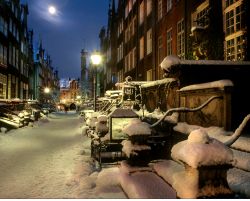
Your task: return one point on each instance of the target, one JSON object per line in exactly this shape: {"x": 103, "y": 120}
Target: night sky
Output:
{"x": 75, "y": 25}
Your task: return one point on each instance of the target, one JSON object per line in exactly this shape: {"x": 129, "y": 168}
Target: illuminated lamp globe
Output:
{"x": 96, "y": 59}
{"x": 46, "y": 90}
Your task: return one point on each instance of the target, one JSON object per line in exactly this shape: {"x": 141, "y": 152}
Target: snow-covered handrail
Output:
{"x": 184, "y": 109}
{"x": 238, "y": 131}
{"x": 105, "y": 106}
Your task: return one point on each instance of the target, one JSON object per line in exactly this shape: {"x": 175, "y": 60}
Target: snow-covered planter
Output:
{"x": 206, "y": 162}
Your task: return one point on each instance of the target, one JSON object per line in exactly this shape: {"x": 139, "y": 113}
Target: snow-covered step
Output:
{"x": 146, "y": 185}
{"x": 167, "y": 169}
{"x": 143, "y": 183}
{"x": 239, "y": 181}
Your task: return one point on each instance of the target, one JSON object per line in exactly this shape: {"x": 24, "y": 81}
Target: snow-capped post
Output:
{"x": 206, "y": 161}
{"x": 101, "y": 127}
{"x": 135, "y": 148}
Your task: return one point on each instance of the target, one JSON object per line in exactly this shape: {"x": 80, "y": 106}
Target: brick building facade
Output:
{"x": 144, "y": 32}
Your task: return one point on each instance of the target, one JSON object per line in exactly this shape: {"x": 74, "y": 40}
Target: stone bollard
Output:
{"x": 135, "y": 148}
{"x": 206, "y": 161}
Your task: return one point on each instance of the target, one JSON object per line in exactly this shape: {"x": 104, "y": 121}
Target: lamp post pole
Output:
{"x": 94, "y": 83}
{"x": 96, "y": 60}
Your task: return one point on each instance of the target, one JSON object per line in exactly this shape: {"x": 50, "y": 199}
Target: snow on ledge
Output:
{"x": 215, "y": 84}
{"x": 158, "y": 82}
{"x": 194, "y": 28}
{"x": 170, "y": 61}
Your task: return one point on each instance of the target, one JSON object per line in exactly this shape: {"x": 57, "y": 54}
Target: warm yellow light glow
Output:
{"x": 96, "y": 59}
{"x": 78, "y": 97}
{"x": 52, "y": 10}
{"x": 46, "y": 90}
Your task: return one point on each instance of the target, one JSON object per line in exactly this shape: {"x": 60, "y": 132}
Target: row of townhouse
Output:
{"x": 141, "y": 33}
{"x": 24, "y": 72}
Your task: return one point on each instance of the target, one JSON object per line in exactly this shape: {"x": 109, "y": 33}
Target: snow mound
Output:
{"x": 215, "y": 84}
{"x": 198, "y": 136}
{"x": 108, "y": 183}
{"x": 200, "y": 150}
{"x": 101, "y": 127}
{"x": 169, "y": 61}
{"x": 102, "y": 118}
{"x": 137, "y": 127}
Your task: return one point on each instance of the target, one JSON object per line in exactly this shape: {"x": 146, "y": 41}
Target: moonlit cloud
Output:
{"x": 48, "y": 12}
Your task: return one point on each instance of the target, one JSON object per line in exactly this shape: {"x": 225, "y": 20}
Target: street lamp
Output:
{"x": 46, "y": 90}
{"x": 96, "y": 59}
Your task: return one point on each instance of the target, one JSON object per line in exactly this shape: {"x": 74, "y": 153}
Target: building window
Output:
{"x": 3, "y": 86}
{"x": 130, "y": 5}
{"x": 160, "y": 54}
{"x": 134, "y": 57}
{"x": 230, "y": 22}
{"x": 169, "y": 42}
{"x": 126, "y": 35}
{"x": 120, "y": 28}
{"x": 159, "y": 9}
{"x": 17, "y": 58}
{"x": 3, "y": 26}
{"x": 240, "y": 47}
{"x": 126, "y": 63}
{"x": 180, "y": 39}
{"x": 239, "y": 18}
{"x": 200, "y": 16}
{"x": 149, "y": 41}
{"x": 3, "y": 55}
{"x": 131, "y": 60}
{"x": 169, "y": 5}
{"x": 234, "y": 27}
{"x": 149, "y": 75}
{"x": 141, "y": 14}
{"x": 230, "y": 50}
{"x": 134, "y": 25}
{"x": 229, "y": 2}
{"x": 126, "y": 11}
{"x": 141, "y": 47}
{"x": 120, "y": 52}
{"x": 235, "y": 48}
{"x": 149, "y": 7}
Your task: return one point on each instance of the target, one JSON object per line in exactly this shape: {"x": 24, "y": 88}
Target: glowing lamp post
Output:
{"x": 46, "y": 91}
{"x": 96, "y": 59}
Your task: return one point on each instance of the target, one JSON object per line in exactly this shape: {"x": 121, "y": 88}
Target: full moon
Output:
{"x": 52, "y": 10}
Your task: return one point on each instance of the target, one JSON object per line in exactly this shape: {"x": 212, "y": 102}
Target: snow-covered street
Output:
{"x": 51, "y": 160}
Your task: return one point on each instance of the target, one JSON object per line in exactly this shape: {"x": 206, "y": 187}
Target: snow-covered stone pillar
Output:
{"x": 136, "y": 148}
{"x": 206, "y": 162}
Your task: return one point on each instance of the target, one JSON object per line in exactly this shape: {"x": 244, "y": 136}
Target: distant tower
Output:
{"x": 84, "y": 74}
